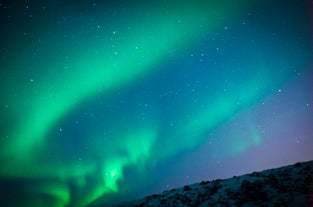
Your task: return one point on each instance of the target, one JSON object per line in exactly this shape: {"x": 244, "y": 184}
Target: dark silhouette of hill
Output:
{"x": 290, "y": 186}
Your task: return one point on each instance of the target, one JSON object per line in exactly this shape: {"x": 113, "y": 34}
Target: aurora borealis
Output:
{"x": 107, "y": 101}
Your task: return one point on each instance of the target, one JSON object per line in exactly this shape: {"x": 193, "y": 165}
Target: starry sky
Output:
{"x": 106, "y": 101}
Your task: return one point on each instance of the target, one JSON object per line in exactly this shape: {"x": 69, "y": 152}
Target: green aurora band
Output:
{"x": 137, "y": 54}
{"x": 134, "y": 56}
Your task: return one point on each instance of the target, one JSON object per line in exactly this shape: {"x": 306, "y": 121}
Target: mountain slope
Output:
{"x": 286, "y": 186}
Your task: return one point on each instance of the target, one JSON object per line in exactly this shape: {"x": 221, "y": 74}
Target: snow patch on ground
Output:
{"x": 290, "y": 186}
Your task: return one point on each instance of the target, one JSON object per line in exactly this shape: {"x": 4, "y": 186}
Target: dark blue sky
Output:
{"x": 104, "y": 102}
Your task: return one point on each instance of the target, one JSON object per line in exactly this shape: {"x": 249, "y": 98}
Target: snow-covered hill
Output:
{"x": 290, "y": 186}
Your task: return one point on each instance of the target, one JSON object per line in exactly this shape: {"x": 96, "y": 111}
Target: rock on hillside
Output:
{"x": 290, "y": 186}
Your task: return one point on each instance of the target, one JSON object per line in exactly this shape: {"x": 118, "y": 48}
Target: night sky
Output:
{"x": 104, "y": 101}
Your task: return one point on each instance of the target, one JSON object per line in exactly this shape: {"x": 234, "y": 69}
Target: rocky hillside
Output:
{"x": 286, "y": 186}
